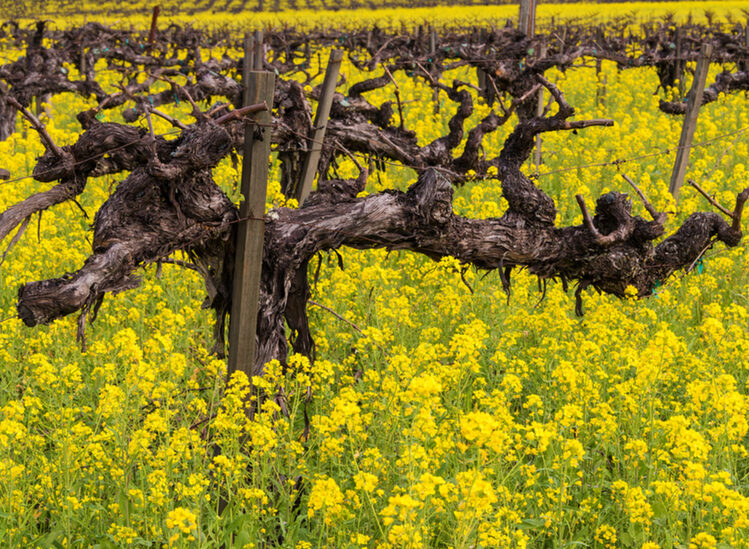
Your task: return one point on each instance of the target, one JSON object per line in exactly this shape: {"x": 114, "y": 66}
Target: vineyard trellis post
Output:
{"x": 743, "y": 65}
{"x": 259, "y": 88}
{"x": 432, "y": 53}
{"x": 259, "y": 48}
{"x": 680, "y": 62}
{"x": 312, "y": 159}
{"x": 539, "y": 113}
{"x": 480, "y": 73}
{"x": 600, "y": 79}
{"x": 154, "y": 23}
{"x": 694, "y": 101}
{"x": 527, "y": 25}
{"x": 42, "y": 105}
{"x": 527, "y": 17}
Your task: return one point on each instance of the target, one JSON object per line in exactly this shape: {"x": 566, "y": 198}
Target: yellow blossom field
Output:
{"x": 441, "y": 414}
{"x": 313, "y": 14}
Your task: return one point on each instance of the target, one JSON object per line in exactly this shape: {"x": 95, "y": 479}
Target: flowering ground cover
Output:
{"x": 441, "y": 414}
{"x": 314, "y": 13}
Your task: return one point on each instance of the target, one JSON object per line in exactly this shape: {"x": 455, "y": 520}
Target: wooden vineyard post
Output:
{"x": 600, "y": 80}
{"x": 527, "y": 17}
{"x": 600, "y": 85}
{"x": 84, "y": 65}
{"x": 527, "y": 25}
{"x": 304, "y": 187}
{"x": 259, "y": 57}
{"x": 485, "y": 88}
{"x": 154, "y": 23}
{"x": 251, "y": 226}
{"x": 694, "y": 101}
{"x": 433, "y": 53}
{"x": 539, "y": 113}
{"x": 481, "y": 78}
{"x": 744, "y": 63}
{"x": 41, "y": 101}
{"x": 680, "y": 62}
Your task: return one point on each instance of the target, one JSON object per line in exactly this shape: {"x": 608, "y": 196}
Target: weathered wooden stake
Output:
{"x": 42, "y": 105}
{"x": 321, "y": 123}
{"x": 432, "y": 52}
{"x": 527, "y": 25}
{"x": 251, "y": 227}
{"x": 154, "y": 22}
{"x": 527, "y": 17}
{"x": 743, "y": 65}
{"x": 539, "y": 141}
{"x": 601, "y": 81}
{"x": 600, "y": 90}
{"x": 539, "y": 113}
{"x": 481, "y": 77}
{"x": 259, "y": 61}
{"x": 694, "y": 101}
{"x": 248, "y": 63}
{"x": 680, "y": 62}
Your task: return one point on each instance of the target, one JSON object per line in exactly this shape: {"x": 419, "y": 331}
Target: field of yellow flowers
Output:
{"x": 309, "y": 14}
{"x": 439, "y": 415}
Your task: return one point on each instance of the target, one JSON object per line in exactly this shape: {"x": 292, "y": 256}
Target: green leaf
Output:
{"x": 48, "y": 540}
{"x": 532, "y": 523}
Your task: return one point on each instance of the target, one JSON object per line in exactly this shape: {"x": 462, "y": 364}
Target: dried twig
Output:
{"x": 660, "y": 217}
{"x": 339, "y": 317}
{"x": 16, "y": 238}
{"x": 173, "y": 121}
{"x": 710, "y": 199}
{"x": 741, "y": 198}
{"x": 218, "y": 108}
{"x": 150, "y": 123}
{"x": 197, "y": 111}
{"x": 587, "y": 220}
{"x": 699, "y": 256}
{"x": 397, "y": 94}
{"x": 350, "y": 155}
{"x": 239, "y": 113}
{"x": 38, "y": 126}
